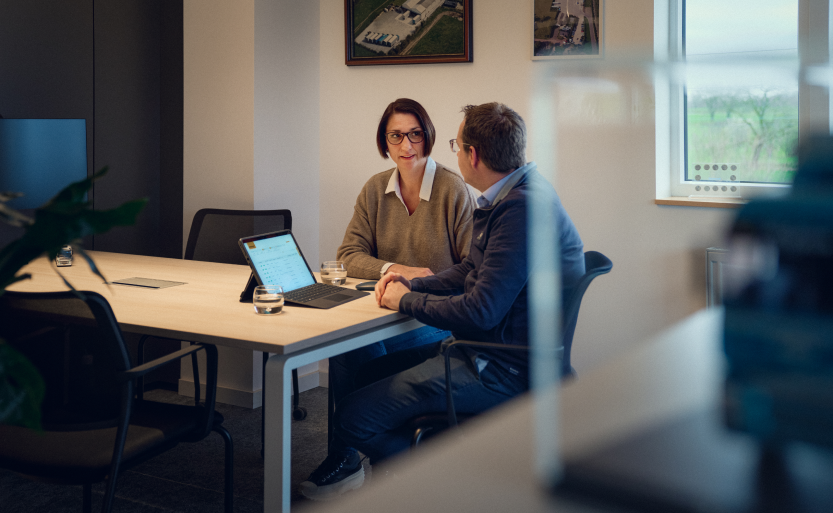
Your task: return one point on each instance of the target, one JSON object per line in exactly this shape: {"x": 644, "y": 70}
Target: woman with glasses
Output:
{"x": 415, "y": 220}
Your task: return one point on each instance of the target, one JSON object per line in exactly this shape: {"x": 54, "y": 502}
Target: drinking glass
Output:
{"x": 333, "y": 272}
{"x": 64, "y": 257}
{"x": 268, "y": 299}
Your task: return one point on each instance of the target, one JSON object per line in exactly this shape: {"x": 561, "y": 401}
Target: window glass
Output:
{"x": 744, "y": 130}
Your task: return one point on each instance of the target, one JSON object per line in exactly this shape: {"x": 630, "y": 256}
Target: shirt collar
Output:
{"x": 493, "y": 194}
{"x": 427, "y": 182}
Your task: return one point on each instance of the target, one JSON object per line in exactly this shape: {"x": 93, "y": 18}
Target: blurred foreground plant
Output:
{"x": 65, "y": 219}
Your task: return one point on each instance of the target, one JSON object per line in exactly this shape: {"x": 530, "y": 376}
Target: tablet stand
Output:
{"x": 249, "y": 292}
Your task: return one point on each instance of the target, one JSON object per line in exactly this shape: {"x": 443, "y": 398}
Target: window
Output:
{"x": 736, "y": 118}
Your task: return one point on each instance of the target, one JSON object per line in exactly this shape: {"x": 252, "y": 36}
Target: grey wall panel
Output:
{"x": 46, "y": 66}
{"x": 127, "y": 89}
{"x": 171, "y": 130}
{"x": 46, "y": 59}
{"x": 117, "y": 64}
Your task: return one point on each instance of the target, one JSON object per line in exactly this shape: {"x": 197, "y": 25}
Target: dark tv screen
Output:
{"x": 39, "y": 157}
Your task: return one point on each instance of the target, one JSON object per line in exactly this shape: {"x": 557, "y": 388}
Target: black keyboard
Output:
{"x": 311, "y": 292}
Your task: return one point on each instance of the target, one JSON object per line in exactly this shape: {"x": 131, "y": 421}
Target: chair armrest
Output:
{"x": 492, "y": 345}
{"x": 449, "y": 396}
{"x": 559, "y": 351}
{"x": 145, "y": 368}
{"x": 207, "y": 415}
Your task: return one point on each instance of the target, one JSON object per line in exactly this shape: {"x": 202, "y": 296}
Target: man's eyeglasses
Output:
{"x": 417, "y": 136}
{"x": 455, "y": 147}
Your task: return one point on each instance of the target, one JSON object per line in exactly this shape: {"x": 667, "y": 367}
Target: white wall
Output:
{"x": 218, "y": 67}
{"x": 353, "y": 99}
{"x": 286, "y": 131}
{"x": 286, "y": 116}
{"x": 218, "y": 147}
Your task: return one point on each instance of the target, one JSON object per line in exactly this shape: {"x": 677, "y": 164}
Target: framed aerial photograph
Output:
{"x": 567, "y": 28}
{"x": 407, "y": 31}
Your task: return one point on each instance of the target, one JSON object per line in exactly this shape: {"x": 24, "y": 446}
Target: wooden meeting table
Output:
{"x": 206, "y": 309}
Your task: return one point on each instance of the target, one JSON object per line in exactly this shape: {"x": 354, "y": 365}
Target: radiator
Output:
{"x": 715, "y": 260}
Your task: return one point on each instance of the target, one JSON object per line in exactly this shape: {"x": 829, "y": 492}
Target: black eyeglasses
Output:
{"x": 417, "y": 136}
{"x": 455, "y": 146}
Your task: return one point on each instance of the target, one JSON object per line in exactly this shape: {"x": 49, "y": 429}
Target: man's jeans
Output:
{"x": 346, "y": 373}
{"x": 371, "y": 419}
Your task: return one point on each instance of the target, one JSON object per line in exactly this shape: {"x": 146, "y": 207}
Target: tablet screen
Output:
{"x": 278, "y": 261}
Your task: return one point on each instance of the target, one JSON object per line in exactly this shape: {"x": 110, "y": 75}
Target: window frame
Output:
{"x": 814, "y": 105}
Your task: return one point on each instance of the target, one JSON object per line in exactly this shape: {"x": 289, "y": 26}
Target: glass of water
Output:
{"x": 268, "y": 299}
{"x": 333, "y": 272}
{"x": 64, "y": 258}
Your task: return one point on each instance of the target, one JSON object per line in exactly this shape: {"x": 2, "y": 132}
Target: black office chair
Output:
{"x": 423, "y": 426}
{"x": 93, "y": 428}
{"x": 213, "y": 238}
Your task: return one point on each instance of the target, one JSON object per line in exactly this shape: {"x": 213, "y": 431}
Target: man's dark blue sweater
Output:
{"x": 484, "y": 297}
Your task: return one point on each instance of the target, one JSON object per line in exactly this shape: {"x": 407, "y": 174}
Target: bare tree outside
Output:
{"x": 747, "y": 136}
{"x": 741, "y": 108}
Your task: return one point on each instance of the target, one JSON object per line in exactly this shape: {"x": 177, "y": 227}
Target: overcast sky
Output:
{"x": 729, "y": 26}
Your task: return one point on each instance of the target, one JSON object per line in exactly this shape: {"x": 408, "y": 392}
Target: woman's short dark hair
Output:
{"x": 405, "y": 106}
{"x": 498, "y": 133}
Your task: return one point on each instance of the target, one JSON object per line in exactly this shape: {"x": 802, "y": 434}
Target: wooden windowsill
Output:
{"x": 684, "y": 201}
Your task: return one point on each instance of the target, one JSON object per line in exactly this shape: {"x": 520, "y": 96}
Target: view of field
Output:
{"x": 755, "y": 132}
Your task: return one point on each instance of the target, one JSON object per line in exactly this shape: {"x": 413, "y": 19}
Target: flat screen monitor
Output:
{"x": 39, "y": 157}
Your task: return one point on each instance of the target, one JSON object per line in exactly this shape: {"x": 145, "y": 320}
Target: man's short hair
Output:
{"x": 405, "y": 106}
{"x": 498, "y": 133}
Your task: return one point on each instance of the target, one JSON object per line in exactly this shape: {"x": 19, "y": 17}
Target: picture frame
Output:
{"x": 565, "y": 29}
{"x": 407, "y": 32}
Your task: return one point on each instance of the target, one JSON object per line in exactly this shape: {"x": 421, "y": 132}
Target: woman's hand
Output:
{"x": 390, "y": 289}
{"x": 410, "y": 272}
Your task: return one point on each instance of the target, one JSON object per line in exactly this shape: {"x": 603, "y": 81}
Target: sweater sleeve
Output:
{"x": 447, "y": 283}
{"x": 358, "y": 250}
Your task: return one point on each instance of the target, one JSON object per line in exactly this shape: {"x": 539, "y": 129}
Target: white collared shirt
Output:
{"x": 424, "y": 191}
{"x": 488, "y": 196}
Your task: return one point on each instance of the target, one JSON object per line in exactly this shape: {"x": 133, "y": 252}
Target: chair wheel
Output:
{"x": 299, "y": 413}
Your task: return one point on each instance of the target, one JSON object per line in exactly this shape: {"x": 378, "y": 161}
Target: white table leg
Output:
{"x": 277, "y": 457}
{"x": 278, "y": 439}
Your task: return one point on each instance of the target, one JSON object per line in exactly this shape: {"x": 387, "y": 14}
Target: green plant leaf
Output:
{"x": 65, "y": 219}
{"x": 94, "y": 268}
{"x": 10, "y": 215}
{"x": 21, "y": 389}
{"x": 8, "y": 196}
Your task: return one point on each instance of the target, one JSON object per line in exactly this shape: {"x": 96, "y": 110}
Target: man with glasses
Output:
{"x": 483, "y": 298}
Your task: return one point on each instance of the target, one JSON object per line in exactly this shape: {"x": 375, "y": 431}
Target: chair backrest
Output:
{"x": 72, "y": 338}
{"x": 595, "y": 264}
{"x": 215, "y": 232}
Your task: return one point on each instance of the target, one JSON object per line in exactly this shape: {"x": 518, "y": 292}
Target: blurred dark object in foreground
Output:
{"x": 778, "y": 333}
{"x": 778, "y": 396}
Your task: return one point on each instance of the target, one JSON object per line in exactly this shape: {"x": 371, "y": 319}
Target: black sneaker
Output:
{"x": 339, "y": 473}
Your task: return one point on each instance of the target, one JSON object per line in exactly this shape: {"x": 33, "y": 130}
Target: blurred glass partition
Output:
{"x": 577, "y": 106}
{"x": 586, "y": 108}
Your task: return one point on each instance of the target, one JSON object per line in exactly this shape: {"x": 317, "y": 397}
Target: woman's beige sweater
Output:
{"x": 437, "y": 235}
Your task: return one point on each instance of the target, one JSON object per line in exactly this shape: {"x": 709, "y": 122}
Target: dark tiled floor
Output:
{"x": 189, "y": 478}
